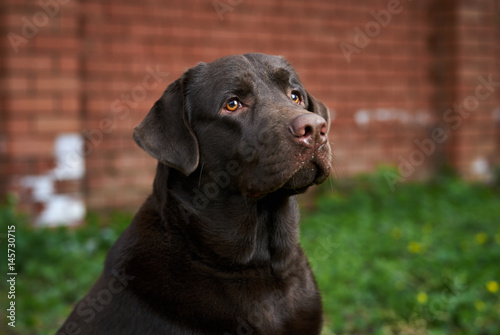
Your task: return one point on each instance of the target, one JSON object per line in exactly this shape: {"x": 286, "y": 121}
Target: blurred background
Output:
{"x": 79, "y": 75}
{"x": 413, "y": 89}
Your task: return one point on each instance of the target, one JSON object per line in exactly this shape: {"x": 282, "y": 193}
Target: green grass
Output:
{"x": 414, "y": 261}
{"x": 423, "y": 259}
{"x": 55, "y": 268}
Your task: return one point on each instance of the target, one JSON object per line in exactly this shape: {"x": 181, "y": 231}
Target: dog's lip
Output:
{"x": 310, "y": 171}
{"x": 320, "y": 167}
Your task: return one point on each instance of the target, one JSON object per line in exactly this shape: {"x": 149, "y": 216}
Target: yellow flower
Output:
{"x": 479, "y": 305}
{"x": 492, "y": 286}
{"x": 414, "y": 247}
{"x": 481, "y": 238}
{"x": 422, "y": 298}
{"x": 396, "y": 233}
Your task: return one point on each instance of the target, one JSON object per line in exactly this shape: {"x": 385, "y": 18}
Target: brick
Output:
{"x": 31, "y": 104}
{"x": 44, "y": 165}
{"x": 68, "y": 186}
{"x": 29, "y": 147}
{"x": 68, "y": 64}
{"x": 24, "y": 63}
{"x": 59, "y": 84}
{"x": 61, "y": 43}
{"x": 18, "y": 126}
{"x": 17, "y": 83}
{"x": 56, "y": 124}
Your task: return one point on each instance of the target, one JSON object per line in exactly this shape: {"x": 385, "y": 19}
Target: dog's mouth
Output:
{"x": 306, "y": 176}
{"x": 313, "y": 172}
{"x": 298, "y": 179}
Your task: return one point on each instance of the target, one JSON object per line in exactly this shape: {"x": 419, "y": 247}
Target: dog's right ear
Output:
{"x": 166, "y": 134}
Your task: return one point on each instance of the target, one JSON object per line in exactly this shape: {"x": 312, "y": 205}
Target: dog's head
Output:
{"x": 246, "y": 120}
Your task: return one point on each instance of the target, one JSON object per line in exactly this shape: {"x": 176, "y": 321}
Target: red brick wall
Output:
{"x": 40, "y": 98}
{"x": 478, "y": 61}
{"x": 387, "y": 69}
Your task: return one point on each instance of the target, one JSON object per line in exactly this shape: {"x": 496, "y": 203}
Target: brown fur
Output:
{"x": 214, "y": 249}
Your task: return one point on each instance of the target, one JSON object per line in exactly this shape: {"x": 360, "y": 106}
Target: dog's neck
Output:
{"x": 229, "y": 229}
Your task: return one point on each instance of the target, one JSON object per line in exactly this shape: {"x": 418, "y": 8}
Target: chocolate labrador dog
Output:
{"x": 215, "y": 248}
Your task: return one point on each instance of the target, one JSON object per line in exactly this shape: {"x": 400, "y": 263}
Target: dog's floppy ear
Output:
{"x": 166, "y": 134}
{"x": 316, "y": 106}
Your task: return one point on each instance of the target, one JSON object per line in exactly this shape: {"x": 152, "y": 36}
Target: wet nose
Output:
{"x": 309, "y": 129}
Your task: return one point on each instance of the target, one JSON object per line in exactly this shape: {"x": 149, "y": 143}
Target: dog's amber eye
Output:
{"x": 295, "y": 96}
{"x": 233, "y": 105}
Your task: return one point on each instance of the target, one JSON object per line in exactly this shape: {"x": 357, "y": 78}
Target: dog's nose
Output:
{"x": 309, "y": 129}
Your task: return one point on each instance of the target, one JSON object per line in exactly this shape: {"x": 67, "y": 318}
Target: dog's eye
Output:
{"x": 232, "y": 105}
{"x": 296, "y": 97}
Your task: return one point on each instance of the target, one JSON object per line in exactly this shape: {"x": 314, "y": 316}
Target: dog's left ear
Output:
{"x": 316, "y": 106}
{"x": 165, "y": 132}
